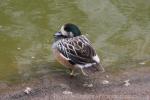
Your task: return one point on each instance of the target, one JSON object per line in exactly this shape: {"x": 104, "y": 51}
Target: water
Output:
{"x": 119, "y": 30}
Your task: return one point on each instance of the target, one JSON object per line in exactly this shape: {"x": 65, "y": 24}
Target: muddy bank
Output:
{"x": 60, "y": 86}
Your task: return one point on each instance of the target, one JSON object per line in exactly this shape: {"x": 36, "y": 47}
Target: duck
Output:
{"x": 74, "y": 50}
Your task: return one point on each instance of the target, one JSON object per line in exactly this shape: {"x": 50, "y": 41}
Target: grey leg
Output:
{"x": 72, "y": 73}
{"x": 102, "y": 68}
{"x": 83, "y": 72}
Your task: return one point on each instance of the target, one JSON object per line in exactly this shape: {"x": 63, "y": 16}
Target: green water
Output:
{"x": 119, "y": 30}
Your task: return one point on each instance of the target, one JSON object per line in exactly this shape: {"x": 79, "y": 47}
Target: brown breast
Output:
{"x": 61, "y": 59}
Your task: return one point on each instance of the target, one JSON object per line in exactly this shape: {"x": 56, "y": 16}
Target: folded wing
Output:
{"x": 78, "y": 50}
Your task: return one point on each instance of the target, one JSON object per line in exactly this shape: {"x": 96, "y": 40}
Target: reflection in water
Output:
{"x": 118, "y": 29}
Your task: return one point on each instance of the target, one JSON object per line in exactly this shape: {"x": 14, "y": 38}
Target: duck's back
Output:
{"x": 77, "y": 50}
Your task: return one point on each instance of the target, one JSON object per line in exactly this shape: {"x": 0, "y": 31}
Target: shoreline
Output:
{"x": 53, "y": 86}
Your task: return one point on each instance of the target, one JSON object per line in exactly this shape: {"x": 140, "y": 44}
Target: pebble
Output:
{"x": 127, "y": 83}
{"x": 27, "y": 90}
{"x": 18, "y": 48}
{"x": 105, "y": 82}
{"x": 107, "y": 76}
{"x": 32, "y": 57}
{"x": 67, "y": 92}
{"x": 142, "y": 63}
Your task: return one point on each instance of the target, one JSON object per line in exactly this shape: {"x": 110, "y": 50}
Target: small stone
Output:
{"x": 88, "y": 85}
{"x": 67, "y": 92}
{"x": 107, "y": 76}
{"x": 142, "y": 63}
{"x": 18, "y": 48}
{"x": 105, "y": 82}
{"x": 27, "y": 90}
{"x": 127, "y": 83}
{"x": 32, "y": 57}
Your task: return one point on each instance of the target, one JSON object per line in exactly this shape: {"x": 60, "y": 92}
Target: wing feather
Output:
{"x": 77, "y": 49}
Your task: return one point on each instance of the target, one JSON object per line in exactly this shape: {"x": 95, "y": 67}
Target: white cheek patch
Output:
{"x": 96, "y": 58}
{"x": 71, "y": 34}
{"x": 63, "y": 31}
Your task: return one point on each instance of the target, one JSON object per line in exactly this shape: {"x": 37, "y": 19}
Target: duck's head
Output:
{"x": 68, "y": 31}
